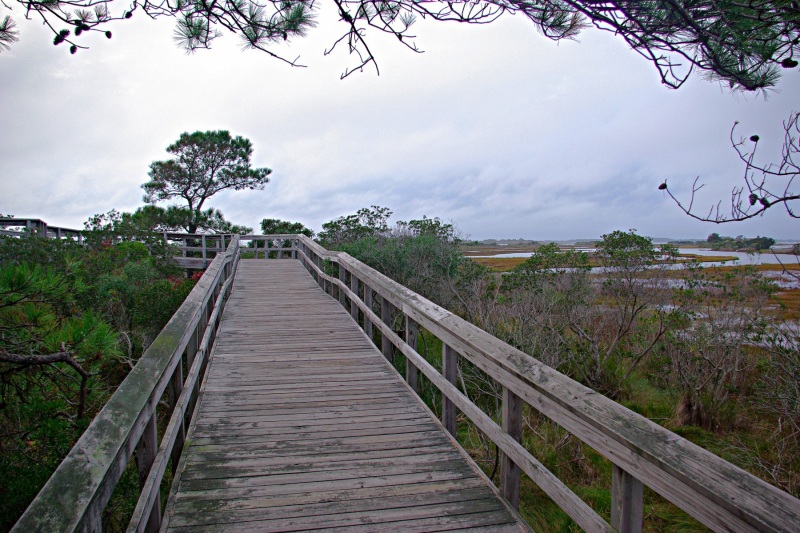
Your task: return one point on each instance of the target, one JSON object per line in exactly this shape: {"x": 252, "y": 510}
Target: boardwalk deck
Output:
{"x": 303, "y": 425}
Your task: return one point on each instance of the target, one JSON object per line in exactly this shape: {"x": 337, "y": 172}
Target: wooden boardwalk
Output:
{"x": 303, "y": 425}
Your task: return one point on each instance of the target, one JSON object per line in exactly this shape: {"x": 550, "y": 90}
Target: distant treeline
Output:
{"x": 739, "y": 243}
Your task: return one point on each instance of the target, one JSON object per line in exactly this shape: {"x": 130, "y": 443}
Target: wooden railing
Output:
{"x": 35, "y": 226}
{"x": 718, "y": 494}
{"x": 715, "y": 492}
{"x": 75, "y": 496}
{"x": 197, "y": 250}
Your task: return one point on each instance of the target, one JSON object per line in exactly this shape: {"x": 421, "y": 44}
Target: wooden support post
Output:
{"x": 145, "y": 455}
{"x": 449, "y": 371}
{"x": 386, "y": 317}
{"x": 191, "y": 353}
{"x": 368, "y": 303}
{"x": 342, "y": 278}
{"x": 512, "y": 424}
{"x": 294, "y": 248}
{"x": 412, "y": 331}
{"x": 173, "y": 393}
{"x": 626, "y": 501}
{"x": 205, "y": 256}
{"x": 354, "y": 289}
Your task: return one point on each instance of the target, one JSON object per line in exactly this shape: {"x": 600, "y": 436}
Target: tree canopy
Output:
{"x": 205, "y": 163}
{"x": 744, "y": 44}
{"x": 276, "y": 226}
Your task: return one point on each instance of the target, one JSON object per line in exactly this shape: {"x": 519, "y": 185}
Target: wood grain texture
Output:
{"x": 302, "y": 424}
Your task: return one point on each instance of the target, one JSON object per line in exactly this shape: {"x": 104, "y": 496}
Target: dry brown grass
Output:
{"x": 499, "y": 264}
{"x": 708, "y": 258}
{"x": 790, "y": 303}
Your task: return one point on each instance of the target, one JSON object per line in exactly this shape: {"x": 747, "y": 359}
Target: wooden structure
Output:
{"x": 716, "y": 493}
{"x": 303, "y": 424}
{"x": 35, "y": 226}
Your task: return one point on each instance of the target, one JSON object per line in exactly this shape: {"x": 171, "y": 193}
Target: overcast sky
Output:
{"x": 494, "y": 127}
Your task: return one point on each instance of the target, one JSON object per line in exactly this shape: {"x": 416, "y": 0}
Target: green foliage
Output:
{"x": 424, "y": 255}
{"x": 73, "y": 321}
{"x": 205, "y": 163}
{"x": 44, "y": 405}
{"x": 276, "y": 226}
{"x": 366, "y": 222}
{"x": 740, "y": 243}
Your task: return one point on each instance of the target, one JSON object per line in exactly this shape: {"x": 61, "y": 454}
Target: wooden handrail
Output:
{"x": 74, "y": 497}
{"x": 715, "y": 492}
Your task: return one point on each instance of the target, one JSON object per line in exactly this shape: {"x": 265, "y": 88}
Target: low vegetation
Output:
{"x": 73, "y": 321}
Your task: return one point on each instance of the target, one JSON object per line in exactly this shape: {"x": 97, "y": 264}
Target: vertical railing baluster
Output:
{"x": 173, "y": 393}
{"x": 354, "y": 289}
{"x": 512, "y": 424}
{"x": 342, "y": 279}
{"x": 191, "y": 353}
{"x": 146, "y": 452}
{"x": 205, "y": 258}
{"x": 412, "y": 331}
{"x": 449, "y": 371}
{"x": 626, "y": 501}
{"x": 368, "y": 304}
{"x": 386, "y": 318}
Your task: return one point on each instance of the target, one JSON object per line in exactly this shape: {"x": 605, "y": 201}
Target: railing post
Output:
{"x": 512, "y": 424}
{"x": 354, "y": 289}
{"x": 412, "y": 330}
{"x": 205, "y": 258}
{"x": 386, "y": 318}
{"x": 342, "y": 279}
{"x": 173, "y": 393}
{"x": 191, "y": 353}
{"x": 368, "y": 304}
{"x": 294, "y": 248}
{"x": 145, "y": 455}
{"x": 449, "y": 371}
{"x": 626, "y": 501}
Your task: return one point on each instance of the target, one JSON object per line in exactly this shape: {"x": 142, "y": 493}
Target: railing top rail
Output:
{"x": 84, "y": 481}
{"x": 713, "y": 490}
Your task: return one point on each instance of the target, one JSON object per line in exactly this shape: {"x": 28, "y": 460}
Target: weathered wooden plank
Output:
{"x": 350, "y": 511}
{"x": 446, "y": 518}
{"x": 334, "y": 496}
